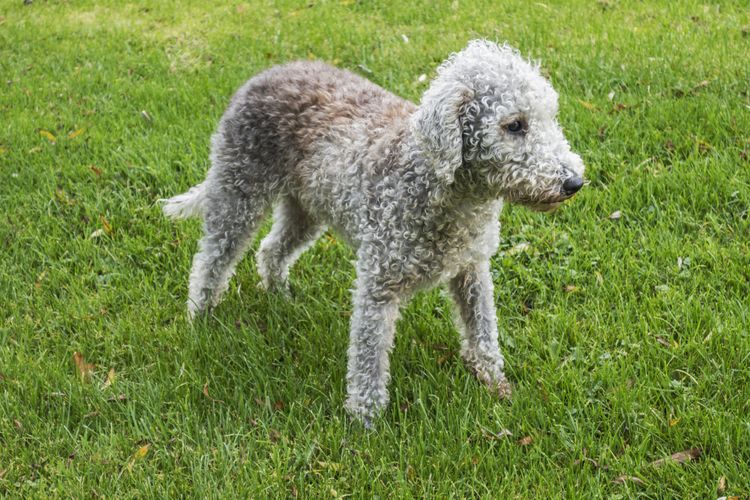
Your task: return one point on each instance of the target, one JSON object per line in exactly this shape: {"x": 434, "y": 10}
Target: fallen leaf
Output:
{"x": 622, "y": 479}
{"x": 274, "y": 435}
{"x": 85, "y": 370}
{"x": 502, "y": 433}
{"x": 662, "y": 341}
{"x": 525, "y": 441}
{"x": 205, "y": 393}
{"x": 97, "y": 171}
{"x": 571, "y": 288}
{"x": 39, "y": 279}
{"x": 616, "y": 215}
{"x": 63, "y": 197}
{"x": 48, "y": 135}
{"x": 333, "y": 466}
{"x": 587, "y": 105}
{"x": 673, "y": 421}
{"x": 704, "y": 147}
{"x": 18, "y": 424}
{"x": 142, "y": 451}
{"x": 701, "y": 85}
{"x": 120, "y": 398}
{"x": 75, "y": 133}
{"x": 139, "y": 454}
{"x": 110, "y": 378}
{"x": 521, "y": 247}
{"x": 96, "y": 234}
{"x": 679, "y": 457}
{"x": 586, "y": 459}
{"x": 722, "y": 486}
{"x": 278, "y": 405}
{"x": 107, "y": 226}
{"x": 411, "y": 474}
{"x": 617, "y": 107}
{"x": 542, "y": 389}
{"x": 3, "y": 472}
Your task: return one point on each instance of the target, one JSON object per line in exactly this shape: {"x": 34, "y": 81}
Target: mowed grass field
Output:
{"x": 624, "y": 316}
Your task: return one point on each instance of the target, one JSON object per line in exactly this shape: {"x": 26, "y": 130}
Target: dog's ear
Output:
{"x": 437, "y": 126}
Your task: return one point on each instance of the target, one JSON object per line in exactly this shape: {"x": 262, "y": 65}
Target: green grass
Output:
{"x": 648, "y": 355}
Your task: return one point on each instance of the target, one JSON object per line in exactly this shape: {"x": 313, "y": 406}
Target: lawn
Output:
{"x": 624, "y": 316}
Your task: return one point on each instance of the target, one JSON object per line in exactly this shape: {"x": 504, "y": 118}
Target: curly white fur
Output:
{"x": 417, "y": 190}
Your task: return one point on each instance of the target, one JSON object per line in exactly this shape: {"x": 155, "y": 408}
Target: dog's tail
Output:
{"x": 185, "y": 205}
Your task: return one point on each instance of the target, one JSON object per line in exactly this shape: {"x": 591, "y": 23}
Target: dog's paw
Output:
{"x": 365, "y": 411}
{"x": 195, "y": 312}
{"x": 368, "y": 423}
{"x": 503, "y": 389}
{"x": 366, "y": 419}
{"x": 494, "y": 379}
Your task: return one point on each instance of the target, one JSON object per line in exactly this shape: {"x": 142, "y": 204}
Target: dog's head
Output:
{"x": 488, "y": 124}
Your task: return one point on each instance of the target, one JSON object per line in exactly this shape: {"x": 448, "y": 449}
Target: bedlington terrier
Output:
{"x": 415, "y": 189}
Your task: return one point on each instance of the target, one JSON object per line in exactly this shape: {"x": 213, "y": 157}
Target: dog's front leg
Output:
{"x": 473, "y": 294}
{"x": 373, "y": 324}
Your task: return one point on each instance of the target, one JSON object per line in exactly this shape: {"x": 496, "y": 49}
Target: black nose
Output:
{"x": 572, "y": 185}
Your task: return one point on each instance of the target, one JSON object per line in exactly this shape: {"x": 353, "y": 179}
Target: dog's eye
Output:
{"x": 515, "y": 127}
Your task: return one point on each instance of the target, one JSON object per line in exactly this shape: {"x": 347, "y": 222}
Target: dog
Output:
{"x": 416, "y": 189}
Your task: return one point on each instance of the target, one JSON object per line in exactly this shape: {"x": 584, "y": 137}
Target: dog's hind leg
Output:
{"x": 230, "y": 218}
{"x": 293, "y": 232}
{"x": 472, "y": 292}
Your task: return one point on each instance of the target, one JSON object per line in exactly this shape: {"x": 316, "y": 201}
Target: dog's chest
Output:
{"x": 453, "y": 244}
{"x": 476, "y": 241}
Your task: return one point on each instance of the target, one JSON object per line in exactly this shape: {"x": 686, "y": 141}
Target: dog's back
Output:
{"x": 283, "y": 114}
